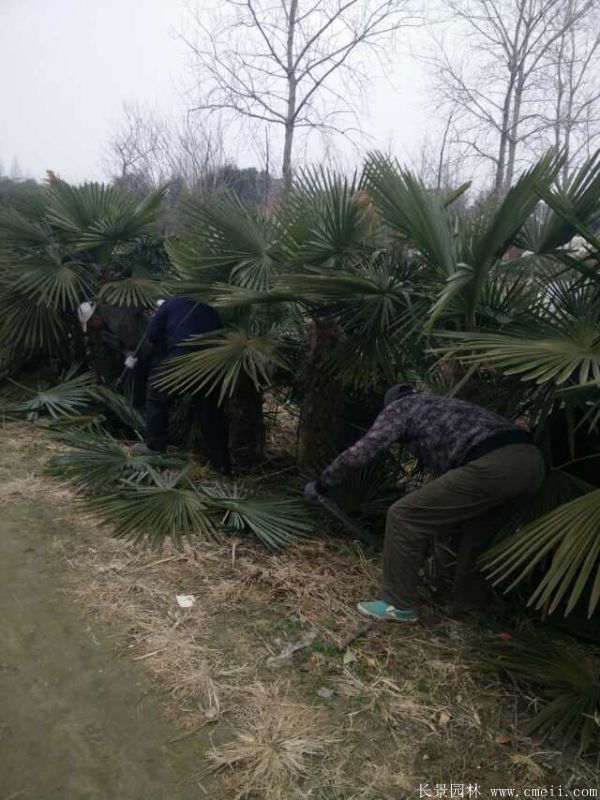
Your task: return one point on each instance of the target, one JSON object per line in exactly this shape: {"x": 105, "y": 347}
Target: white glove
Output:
{"x": 130, "y": 362}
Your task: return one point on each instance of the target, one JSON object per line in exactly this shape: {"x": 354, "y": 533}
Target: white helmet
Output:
{"x": 84, "y": 314}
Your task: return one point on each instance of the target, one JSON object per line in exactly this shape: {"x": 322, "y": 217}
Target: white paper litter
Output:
{"x": 185, "y": 600}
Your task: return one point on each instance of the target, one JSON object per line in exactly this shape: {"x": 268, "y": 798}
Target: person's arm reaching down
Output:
{"x": 387, "y": 429}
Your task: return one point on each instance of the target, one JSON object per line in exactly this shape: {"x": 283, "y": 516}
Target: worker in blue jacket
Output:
{"x": 176, "y": 320}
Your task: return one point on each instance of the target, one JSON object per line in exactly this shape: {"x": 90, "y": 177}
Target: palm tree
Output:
{"x": 538, "y": 318}
{"x": 222, "y": 245}
{"x": 403, "y": 284}
{"x": 61, "y": 247}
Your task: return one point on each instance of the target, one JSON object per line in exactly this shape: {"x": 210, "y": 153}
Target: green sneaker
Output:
{"x": 384, "y": 612}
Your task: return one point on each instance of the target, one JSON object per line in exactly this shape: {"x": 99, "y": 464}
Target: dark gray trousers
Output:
{"x": 467, "y": 500}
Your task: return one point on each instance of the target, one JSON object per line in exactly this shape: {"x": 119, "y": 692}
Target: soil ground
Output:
{"x": 111, "y": 690}
{"x": 79, "y": 722}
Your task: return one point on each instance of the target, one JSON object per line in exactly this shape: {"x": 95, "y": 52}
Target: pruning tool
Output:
{"x": 350, "y": 524}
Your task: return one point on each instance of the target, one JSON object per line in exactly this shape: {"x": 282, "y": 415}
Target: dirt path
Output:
{"x": 78, "y": 721}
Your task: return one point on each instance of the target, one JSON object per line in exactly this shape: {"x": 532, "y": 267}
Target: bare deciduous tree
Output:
{"x": 155, "y": 150}
{"x": 497, "y": 79}
{"x": 290, "y": 63}
{"x": 572, "y": 113}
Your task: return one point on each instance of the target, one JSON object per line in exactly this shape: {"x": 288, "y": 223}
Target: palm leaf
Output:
{"x": 578, "y": 201}
{"x": 219, "y": 360}
{"x": 276, "y": 523}
{"x": 408, "y": 207}
{"x": 570, "y": 537}
{"x": 64, "y": 399}
{"x": 132, "y": 292}
{"x": 96, "y": 462}
{"x": 116, "y": 405}
{"x": 29, "y": 325}
{"x": 516, "y": 207}
{"x": 51, "y": 281}
{"x": 567, "y": 680}
{"x": 484, "y": 240}
{"x": 222, "y": 239}
{"x": 20, "y": 232}
{"x": 96, "y": 216}
{"x": 335, "y": 228}
{"x": 574, "y": 353}
{"x": 172, "y": 508}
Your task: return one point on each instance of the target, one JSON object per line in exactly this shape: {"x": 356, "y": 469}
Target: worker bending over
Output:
{"x": 484, "y": 460}
{"x": 175, "y": 321}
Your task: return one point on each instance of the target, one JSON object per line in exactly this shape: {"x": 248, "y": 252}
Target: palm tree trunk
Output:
{"x": 322, "y": 413}
{"x": 246, "y": 426}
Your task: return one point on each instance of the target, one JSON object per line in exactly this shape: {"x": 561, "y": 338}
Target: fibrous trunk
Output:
{"x": 322, "y": 414}
{"x": 246, "y": 426}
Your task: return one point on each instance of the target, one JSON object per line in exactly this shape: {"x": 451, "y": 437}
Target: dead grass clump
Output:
{"x": 320, "y": 583}
{"x": 274, "y": 745}
{"x": 386, "y": 700}
{"x": 193, "y": 674}
{"x": 357, "y": 779}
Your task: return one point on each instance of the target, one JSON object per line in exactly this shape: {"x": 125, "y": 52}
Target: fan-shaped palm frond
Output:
{"x": 176, "y": 508}
{"x": 567, "y": 680}
{"x": 216, "y": 361}
{"x": 569, "y": 207}
{"x": 65, "y": 399}
{"x": 52, "y": 281}
{"x": 29, "y": 325}
{"x": 116, "y": 405}
{"x": 570, "y": 537}
{"x": 514, "y": 210}
{"x": 18, "y": 233}
{"x": 329, "y": 224}
{"x": 96, "y": 216}
{"x": 573, "y": 352}
{"x": 96, "y": 462}
{"x": 370, "y": 295}
{"x": 133, "y": 292}
{"x": 172, "y": 508}
{"x": 276, "y": 523}
{"x": 483, "y": 240}
{"x": 409, "y": 208}
{"x": 222, "y": 239}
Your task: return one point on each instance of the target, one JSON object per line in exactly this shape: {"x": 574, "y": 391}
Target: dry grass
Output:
{"x": 408, "y": 706}
{"x": 321, "y": 582}
{"x": 28, "y": 488}
{"x": 389, "y": 702}
{"x": 274, "y": 746}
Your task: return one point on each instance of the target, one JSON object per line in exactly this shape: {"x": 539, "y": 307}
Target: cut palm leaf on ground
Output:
{"x": 567, "y": 680}
{"x": 64, "y": 399}
{"x": 96, "y": 462}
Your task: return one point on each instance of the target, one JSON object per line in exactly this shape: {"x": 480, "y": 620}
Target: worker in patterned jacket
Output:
{"x": 483, "y": 461}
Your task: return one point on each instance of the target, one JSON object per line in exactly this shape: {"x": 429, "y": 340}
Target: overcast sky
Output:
{"x": 67, "y": 67}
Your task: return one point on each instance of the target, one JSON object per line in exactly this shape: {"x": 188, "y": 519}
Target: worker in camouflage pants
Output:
{"x": 484, "y": 462}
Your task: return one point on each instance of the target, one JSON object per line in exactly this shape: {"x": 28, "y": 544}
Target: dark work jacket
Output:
{"x": 176, "y": 320}
{"x": 441, "y": 432}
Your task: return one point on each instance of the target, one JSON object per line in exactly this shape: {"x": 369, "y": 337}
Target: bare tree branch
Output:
{"x": 521, "y": 74}
{"x": 280, "y": 62}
